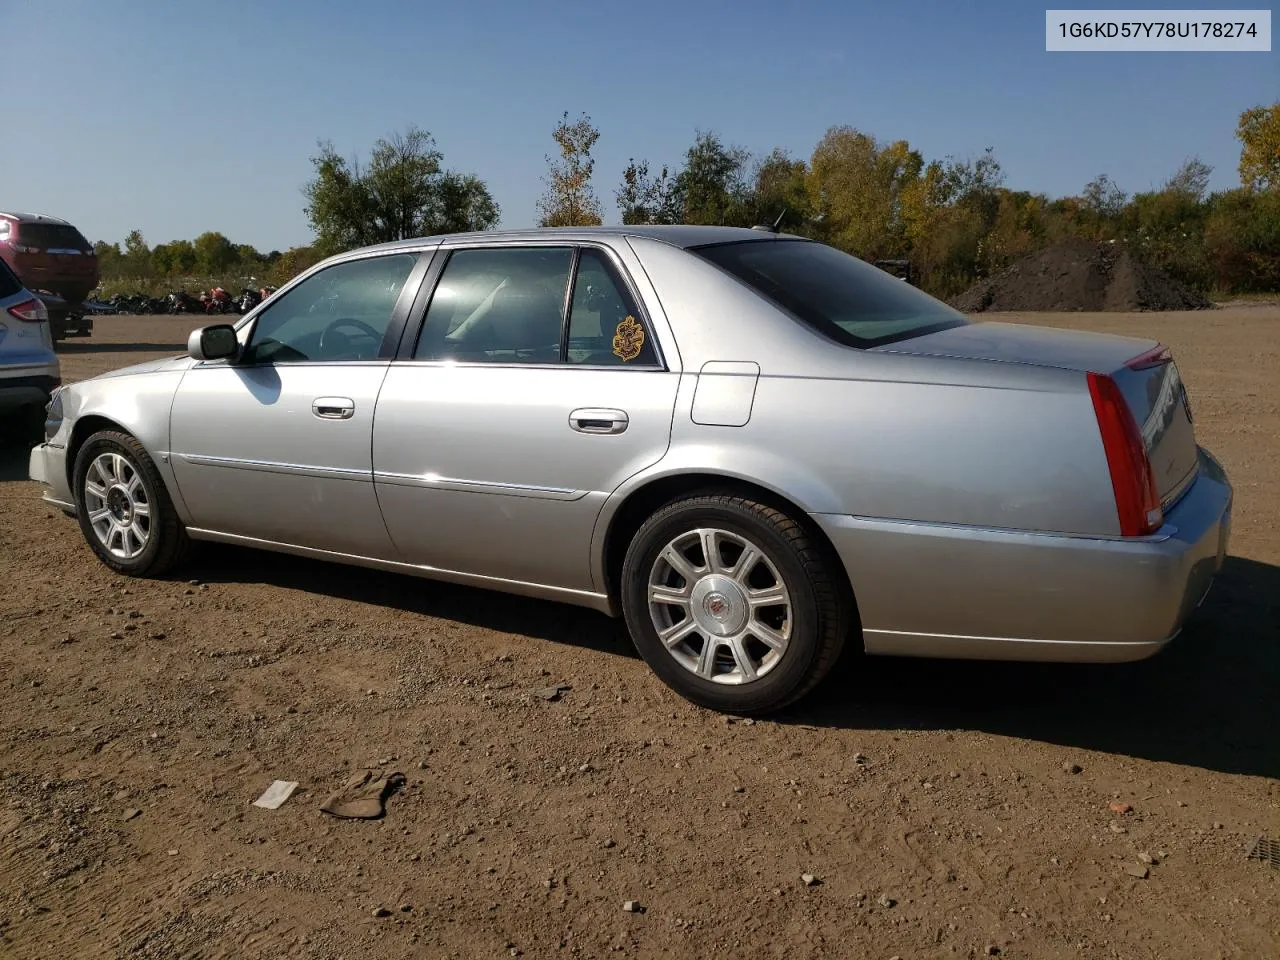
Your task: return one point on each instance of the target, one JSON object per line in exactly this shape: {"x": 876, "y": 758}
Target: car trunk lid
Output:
{"x": 1142, "y": 369}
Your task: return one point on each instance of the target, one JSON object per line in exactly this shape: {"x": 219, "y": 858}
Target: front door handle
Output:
{"x": 596, "y": 420}
{"x": 333, "y": 408}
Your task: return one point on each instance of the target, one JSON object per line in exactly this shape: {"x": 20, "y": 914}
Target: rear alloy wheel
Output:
{"x": 123, "y": 507}
{"x": 731, "y": 603}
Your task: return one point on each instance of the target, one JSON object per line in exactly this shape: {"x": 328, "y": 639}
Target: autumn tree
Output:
{"x": 403, "y": 192}
{"x": 648, "y": 198}
{"x": 856, "y": 183}
{"x": 569, "y": 200}
{"x": 1259, "y": 136}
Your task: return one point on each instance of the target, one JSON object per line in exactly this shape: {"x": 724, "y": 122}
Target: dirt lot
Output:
{"x": 934, "y": 802}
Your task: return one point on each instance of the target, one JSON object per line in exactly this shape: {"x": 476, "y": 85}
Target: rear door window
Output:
{"x": 842, "y": 297}
{"x": 498, "y": 305}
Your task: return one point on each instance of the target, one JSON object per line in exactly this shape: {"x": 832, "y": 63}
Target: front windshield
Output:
{"x": 842, "y": 297}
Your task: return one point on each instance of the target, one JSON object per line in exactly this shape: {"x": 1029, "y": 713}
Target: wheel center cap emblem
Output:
{"x": 717, "y": 606}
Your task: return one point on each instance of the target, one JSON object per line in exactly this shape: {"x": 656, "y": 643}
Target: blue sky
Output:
{"x": 178, "y": 117}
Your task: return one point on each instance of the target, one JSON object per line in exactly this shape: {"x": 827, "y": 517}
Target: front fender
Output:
{"x": 136, "y": 404}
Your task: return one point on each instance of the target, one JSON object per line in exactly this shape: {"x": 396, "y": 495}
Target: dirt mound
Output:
{"x": 1079, "y": 276}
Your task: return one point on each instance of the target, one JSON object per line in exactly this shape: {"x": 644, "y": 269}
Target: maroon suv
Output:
{"x": 51, "y": 255}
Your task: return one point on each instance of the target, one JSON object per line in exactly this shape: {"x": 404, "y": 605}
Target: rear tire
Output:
{"x": 750, "y": 631}
{"x": 124, "y": 509}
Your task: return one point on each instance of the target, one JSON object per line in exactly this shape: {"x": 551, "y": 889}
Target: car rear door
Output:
{"x": 276, "y": 446}
{"x": 531, "y": 390}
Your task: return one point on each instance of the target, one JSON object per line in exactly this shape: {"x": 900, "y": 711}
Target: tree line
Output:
{"x": 953, "y": 218}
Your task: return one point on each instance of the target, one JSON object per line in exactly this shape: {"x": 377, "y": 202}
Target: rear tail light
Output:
{"x": 30, "y": 311}
{"x": 1154, "y": 357}
{"x": 1137, "y": 501}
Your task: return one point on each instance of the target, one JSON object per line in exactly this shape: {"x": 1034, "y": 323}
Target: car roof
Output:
{"x": 679, "y": 236}
{"x": 34, "y": 218}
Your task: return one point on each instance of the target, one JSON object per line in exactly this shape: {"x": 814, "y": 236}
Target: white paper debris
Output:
{"x": 276, "y": 794}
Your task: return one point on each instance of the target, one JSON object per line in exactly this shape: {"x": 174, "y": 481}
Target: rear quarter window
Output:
{"x": 840, "y": 296}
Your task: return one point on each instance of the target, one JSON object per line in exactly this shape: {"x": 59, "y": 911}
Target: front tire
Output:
{"x": 124, "y": 509}
{"x": 733, "y": 604}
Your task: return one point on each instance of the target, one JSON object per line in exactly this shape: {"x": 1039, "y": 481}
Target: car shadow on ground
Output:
{"x": 506, "y": 613}
{"x": 14, "y": 457}
{"x": 1209, "y": 700}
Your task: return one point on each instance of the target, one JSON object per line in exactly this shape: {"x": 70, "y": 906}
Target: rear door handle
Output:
{"x": 597, "y": 420}
{"x": 333, "y": 408}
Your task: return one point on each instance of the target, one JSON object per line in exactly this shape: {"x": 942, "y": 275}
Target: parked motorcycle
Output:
{"x": 179, "y": 301}
{"x": 248, "y": 300}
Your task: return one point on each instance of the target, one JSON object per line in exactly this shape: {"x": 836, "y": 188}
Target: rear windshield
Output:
{"x": 9, "y": 284}
{"x": 842, "y": 297}
{"x": 51, "y": 236}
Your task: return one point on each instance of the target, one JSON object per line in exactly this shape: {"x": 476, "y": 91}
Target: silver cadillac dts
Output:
{"x": 754, "y": 448}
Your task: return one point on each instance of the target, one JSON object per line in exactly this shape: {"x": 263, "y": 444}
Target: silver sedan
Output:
{"x": 754, "y": 448}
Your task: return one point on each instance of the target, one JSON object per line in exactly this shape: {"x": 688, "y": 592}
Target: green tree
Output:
{"x": 182, "y": 256}
{"x": 292, "y": 262}
{"x": 569, "y": 200}
{"x": 214, "y": 253}
{"x": 713, "y": 187}
{"x": 402, "y": 193}
{"x": 780, "y": 188}
{"x": 1102, "y": 196}
{"x": 1259, "y": 136}
{"x": 247, "y": 256}
{"x": 1192, "y": 178}
{"x": 461, "y": 203}
{"x": 645, "y": 198}
{"x": 137, "y": 256}
{"x": 109, "y": 257}
{"x": 1242, "y": 240}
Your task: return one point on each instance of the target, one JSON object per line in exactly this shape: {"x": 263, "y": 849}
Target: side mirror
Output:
{"x": 216, "y": 342}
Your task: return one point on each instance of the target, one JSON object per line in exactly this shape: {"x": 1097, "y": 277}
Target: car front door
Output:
{"x": 275, "y": 445}
{"x": 532, "y": 390}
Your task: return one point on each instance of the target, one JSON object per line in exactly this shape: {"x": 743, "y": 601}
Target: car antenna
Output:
{"x": 773, "y": 227}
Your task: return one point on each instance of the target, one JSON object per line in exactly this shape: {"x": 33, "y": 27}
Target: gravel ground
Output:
{"x": 938, "y": 809}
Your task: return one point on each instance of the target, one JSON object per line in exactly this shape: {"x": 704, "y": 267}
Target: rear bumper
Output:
{"x": 48, "y": 465}
{"x": 17, "y": 392}
{"x": 956, "y": 591}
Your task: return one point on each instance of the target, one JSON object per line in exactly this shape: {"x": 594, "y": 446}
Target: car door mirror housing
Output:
{"x": 216, "y": 342}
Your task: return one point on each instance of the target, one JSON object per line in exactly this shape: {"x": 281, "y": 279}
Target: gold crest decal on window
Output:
{"x": 628, "y": 339}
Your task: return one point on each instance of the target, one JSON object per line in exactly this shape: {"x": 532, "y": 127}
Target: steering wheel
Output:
{"x": 360, "y": 325}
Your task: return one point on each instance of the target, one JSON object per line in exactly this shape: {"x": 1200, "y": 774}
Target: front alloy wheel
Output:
{"x": 117, "y": 504}
{"x": 123, "y": 507}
